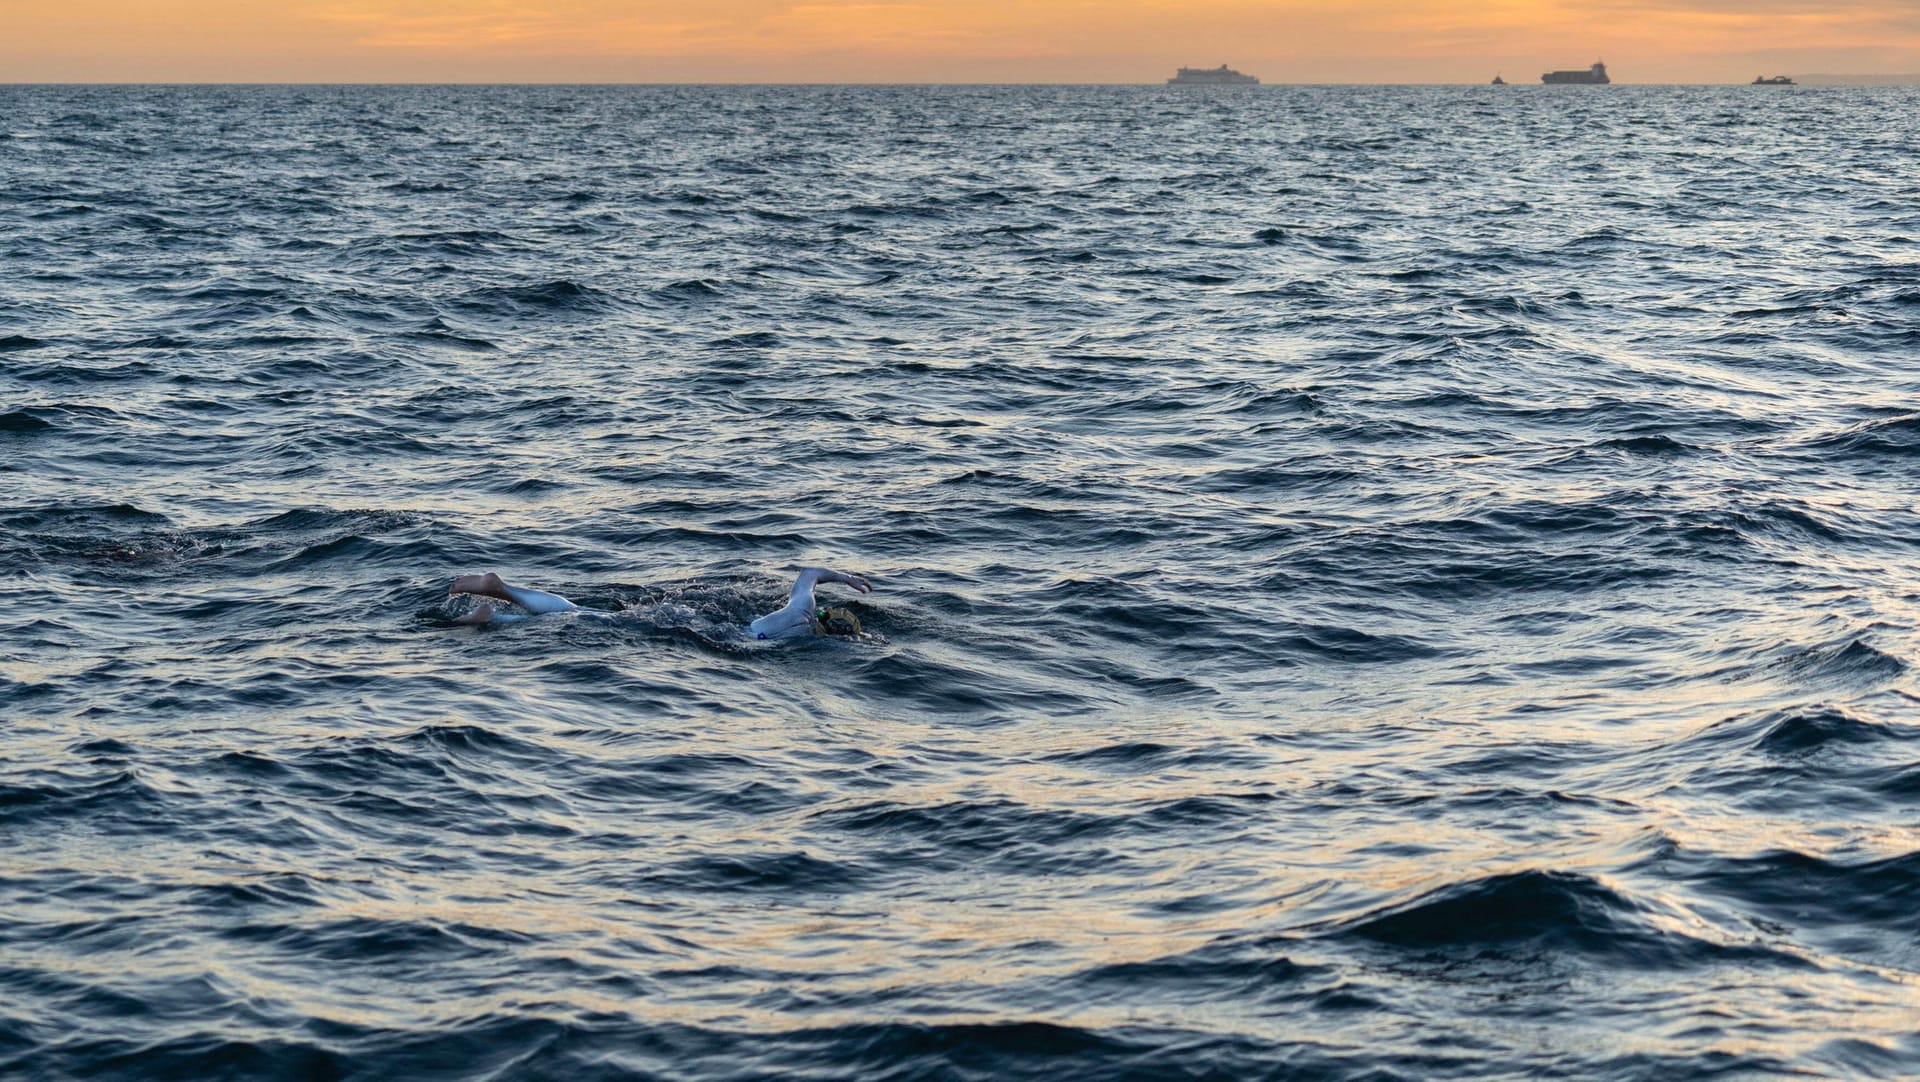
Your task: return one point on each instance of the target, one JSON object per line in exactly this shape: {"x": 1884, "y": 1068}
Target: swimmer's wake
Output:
{"x": 801, "y": 615}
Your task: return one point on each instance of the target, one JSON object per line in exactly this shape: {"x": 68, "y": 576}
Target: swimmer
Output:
{"x": 802, "y": 615}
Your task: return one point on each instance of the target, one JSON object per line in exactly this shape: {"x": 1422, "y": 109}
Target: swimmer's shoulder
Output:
{"x": 781, "y": 625}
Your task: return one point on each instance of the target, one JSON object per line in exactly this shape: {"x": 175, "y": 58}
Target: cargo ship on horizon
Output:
{"x": 1220, "y": 76}
{"x": 1593, "y": 76}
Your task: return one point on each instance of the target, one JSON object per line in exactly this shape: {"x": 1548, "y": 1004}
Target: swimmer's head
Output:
{"x": 838, "y": 621}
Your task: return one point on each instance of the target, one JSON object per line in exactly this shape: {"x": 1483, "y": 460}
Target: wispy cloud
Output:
{"x": 430, "y": 26}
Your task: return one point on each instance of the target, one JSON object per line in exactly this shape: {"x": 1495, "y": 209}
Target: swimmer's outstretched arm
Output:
{"x": 812, "y": 576}
{"x": 491, "y": 585}
{"x": 797, "y": 617}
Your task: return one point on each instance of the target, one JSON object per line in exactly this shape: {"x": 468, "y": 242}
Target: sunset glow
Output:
{"x": 945, "y": 40}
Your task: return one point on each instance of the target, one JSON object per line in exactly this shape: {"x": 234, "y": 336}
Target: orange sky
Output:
{"x": 942, "y": 40}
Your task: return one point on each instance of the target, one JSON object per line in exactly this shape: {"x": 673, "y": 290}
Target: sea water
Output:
{"x": 1369, "y": 582}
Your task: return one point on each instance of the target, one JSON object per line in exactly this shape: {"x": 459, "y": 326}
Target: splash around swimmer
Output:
{"x": 801, "y": 616}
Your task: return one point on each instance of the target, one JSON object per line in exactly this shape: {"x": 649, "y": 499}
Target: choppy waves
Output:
{"x": 1368, "y": 583}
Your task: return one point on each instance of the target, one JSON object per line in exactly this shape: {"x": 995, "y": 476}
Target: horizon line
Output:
{"x": 828, "y": 82}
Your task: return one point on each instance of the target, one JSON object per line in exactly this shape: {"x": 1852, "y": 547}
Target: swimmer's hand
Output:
{"x": 841, "y": 577}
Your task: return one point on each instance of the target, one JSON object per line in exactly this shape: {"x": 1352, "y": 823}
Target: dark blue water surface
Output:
{"x": 1388, "y": 583}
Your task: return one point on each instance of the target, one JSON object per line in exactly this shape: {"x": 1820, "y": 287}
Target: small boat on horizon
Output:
{"x": 1777, "y": 80}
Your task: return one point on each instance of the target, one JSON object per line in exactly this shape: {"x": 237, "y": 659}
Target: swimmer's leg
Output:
{"x": 491, "y": 585}
{"x": 480, "y": 615}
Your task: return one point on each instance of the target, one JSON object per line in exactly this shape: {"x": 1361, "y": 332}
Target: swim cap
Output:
{"x": 838, "y": 621}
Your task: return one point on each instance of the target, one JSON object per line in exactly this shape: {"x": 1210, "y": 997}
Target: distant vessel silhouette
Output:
{"x": 1497, "y": 81}
{"x": 1778, "y": 80}
{"x": 1220, "y": 76}
{"x": 1592, "y": 76}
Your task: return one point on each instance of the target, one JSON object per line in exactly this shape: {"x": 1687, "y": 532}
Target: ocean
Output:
{"x": 1369, "y": 582}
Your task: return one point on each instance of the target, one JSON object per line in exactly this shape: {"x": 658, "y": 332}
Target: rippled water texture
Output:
{"x": 1370, "y": 582}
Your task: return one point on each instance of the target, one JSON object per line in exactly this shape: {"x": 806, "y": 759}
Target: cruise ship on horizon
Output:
{"x": 1220, "y": 76}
